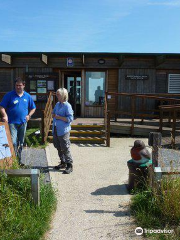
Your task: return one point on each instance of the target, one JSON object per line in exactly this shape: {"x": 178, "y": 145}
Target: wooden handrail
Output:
{"x": 47, "y": 117}
{"x": 172, "y": 108}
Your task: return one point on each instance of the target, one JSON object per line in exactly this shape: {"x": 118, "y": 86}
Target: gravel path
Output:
{"x": 93, "y": 202}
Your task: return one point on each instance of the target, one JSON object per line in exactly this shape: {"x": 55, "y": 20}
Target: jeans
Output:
{"x": 18, "y": 134}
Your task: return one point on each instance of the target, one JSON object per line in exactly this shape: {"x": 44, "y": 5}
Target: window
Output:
{"x": 174, "y": 83}
{"x": 95, "y": 88}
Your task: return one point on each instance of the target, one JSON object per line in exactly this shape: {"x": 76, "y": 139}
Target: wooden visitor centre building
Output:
{"x": 87, "y": 76}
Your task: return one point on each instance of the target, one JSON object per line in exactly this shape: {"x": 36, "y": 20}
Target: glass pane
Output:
{"x": 32, "y": 85}
{"x": 95, "y": 88}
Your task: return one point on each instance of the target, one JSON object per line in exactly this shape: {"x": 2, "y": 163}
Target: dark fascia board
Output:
{"x": 90, "y": 54}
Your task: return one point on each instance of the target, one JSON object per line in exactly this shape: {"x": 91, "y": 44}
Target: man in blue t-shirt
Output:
{"x": 16, "y": 108}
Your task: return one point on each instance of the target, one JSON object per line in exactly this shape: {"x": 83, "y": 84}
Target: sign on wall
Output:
{"x": 136, "y": 77}
{"x": 70, "y": 62}
{"x": 41, "y": 83}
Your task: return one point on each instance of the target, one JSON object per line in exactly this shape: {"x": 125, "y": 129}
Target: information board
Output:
{"x": 6, "y": 146}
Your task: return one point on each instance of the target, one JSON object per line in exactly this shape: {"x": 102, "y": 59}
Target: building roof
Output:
{"x": 89, "y": 54}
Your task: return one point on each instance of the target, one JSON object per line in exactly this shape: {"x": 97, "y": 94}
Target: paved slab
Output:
{"x": 36, "y": 158}
{"x": 93, "y": 202}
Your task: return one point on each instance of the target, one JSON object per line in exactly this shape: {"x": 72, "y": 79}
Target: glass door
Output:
{"x": 73, "y": 85}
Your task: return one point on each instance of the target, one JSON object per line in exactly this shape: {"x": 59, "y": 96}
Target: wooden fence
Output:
{"x": 47, "y": 116}
{"x": 143, "y": 112}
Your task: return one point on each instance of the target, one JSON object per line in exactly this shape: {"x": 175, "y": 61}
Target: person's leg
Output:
{"x": 57, "y": 145}
{"x": 65, "y": 148}
{"x": 13, "y": 130}
{"x": 20, "y": 138}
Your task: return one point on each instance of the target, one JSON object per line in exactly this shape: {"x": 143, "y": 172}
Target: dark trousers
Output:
{"x": 62, "y": 144}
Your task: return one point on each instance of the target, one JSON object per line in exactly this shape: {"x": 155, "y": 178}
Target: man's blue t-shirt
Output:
{"x": 17, "y": 108}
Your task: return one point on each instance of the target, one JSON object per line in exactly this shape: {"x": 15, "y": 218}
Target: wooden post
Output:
{"x": 35, "y": 186}
{"x": 161, "y": 120}
{"x": 116, "y": 107}
{"x": 143, "y": 108}
{"x": 132, "y": 113}
{"x": 42, "y": 127}
{"x": 108, "y": 129}
{"x": 173, "y": 128}
{"x": 155, "y": 142}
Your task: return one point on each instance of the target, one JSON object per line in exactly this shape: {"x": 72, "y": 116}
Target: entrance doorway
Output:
{"x": 72, "y": 82}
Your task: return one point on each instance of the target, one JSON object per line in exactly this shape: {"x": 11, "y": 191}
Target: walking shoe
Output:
{"x": 61, "y": 165}
{"x": 21, "y": 164}
{"x": 68, "y": 169}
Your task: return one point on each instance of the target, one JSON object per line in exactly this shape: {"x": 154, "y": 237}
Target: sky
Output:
{"x": 132, "y": 26}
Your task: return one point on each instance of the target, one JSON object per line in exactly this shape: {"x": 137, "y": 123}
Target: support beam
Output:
{"x": 6, "y": 58}
{"x": 44, "y": 59}
{"x": 160, "y": 59}
{"x": 121, "y": 60}
{"x": 83, "y": 59}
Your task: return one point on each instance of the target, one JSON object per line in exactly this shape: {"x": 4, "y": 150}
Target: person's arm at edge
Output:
{"x": 32, "y": 111}
{"x": 4, "y": 114}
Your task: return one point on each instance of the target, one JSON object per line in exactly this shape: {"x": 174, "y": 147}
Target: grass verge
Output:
{"x": 20, "y": 219}
{"x": 159, "y": 210}
{"x": 34, "y": 140}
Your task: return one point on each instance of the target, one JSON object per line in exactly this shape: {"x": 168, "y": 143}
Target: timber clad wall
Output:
{"x": 116, "y": 66}
{"x": 161, "y": 82}
{"x": 136, "y": 86}
{"x": 112, "y": 86}
{"x": 6, "y": 80}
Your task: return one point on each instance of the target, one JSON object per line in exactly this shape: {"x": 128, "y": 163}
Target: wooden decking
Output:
{"x": 123, "y": 127}
{"x": 88, "y": 121}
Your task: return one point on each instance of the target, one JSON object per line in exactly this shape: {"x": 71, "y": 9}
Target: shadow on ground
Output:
{"x": 112, "y": 190}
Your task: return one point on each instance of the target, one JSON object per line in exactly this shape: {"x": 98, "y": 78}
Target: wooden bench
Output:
{"x": 33, "y": 174}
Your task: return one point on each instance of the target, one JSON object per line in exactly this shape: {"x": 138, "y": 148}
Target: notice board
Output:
{"x": 6, "y": 146}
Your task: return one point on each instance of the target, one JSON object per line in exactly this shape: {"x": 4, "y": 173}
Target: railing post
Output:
{"x": 160, "y": 119}
{"x": 143, "y": 108}
{"x": 133, "y": 113}
{"x": 42, "y": 127}
{"x": 108, "y": 130}
{"x": 116, "y": 107}
{"x": 174, "y": 128}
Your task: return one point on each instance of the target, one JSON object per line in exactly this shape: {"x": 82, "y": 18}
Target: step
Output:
{"x": 83, "y": 139}
{"x": 86, "y": 126}
{"x": 87, "y": 132}
{"x": 84, "y": 132}
{"x": 87, "y": 139}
